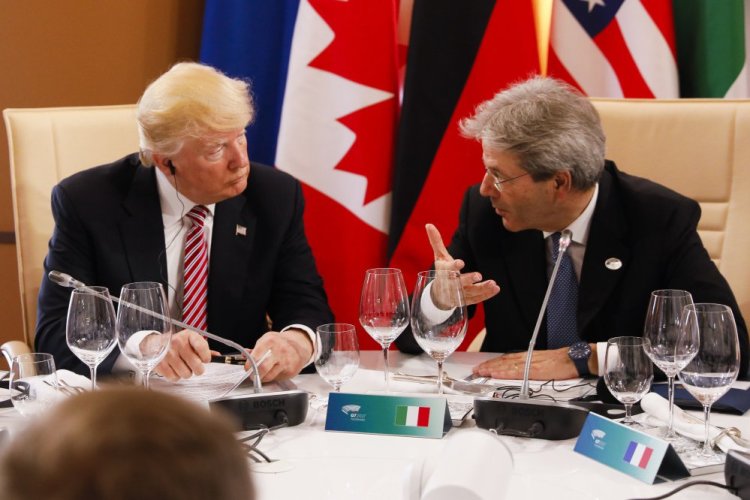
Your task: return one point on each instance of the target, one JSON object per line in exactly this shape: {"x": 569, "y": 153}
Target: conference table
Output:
{"x": 312, "y": 463}
{"x": 317, "y": 464}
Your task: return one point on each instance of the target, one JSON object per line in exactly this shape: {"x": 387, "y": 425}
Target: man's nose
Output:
{"x": 238, "y": 155}
{"x": 487, "y": 187}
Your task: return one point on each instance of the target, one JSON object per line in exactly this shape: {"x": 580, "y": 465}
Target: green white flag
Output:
{"x": 712, "y": 48}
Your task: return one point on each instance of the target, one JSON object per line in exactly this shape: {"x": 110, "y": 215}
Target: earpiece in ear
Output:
{"x": 170, "y": 165}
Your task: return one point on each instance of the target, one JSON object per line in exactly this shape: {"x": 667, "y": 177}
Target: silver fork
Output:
{"x": 733, "y": 432}
{"x": 73, "y": 388}
{"x": 64, "y": 390}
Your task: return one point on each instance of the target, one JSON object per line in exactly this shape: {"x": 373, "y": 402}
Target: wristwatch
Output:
{"x": 579, "y": 353}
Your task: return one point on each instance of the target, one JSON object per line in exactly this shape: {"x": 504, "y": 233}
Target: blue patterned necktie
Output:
{"x": 562, "y": 322}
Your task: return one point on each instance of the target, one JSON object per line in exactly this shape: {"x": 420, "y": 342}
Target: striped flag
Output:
{"x": 460, "y": 54}
{"x": 712, "y": 47}
{"x": 413, "y": 416}
{"x": 638, "y": 454}
{"x": 615, "y": 48}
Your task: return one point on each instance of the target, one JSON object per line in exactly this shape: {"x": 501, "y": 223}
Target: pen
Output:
{"x": 238, "y": 359}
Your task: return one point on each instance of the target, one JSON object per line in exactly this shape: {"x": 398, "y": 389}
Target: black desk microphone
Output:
{"x": 526, "y": 417}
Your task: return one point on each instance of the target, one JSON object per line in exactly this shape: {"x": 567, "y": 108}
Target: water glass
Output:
{"x": 90, "y": 328}
{"x": 439, "y": 319}
{"x": 668, "y": 349}
{"x": 337, "y": 353}
{"x": 711, "y": 373}
{"x": 384, "y": 308}
{"x": 33, "y": 383}
{"x": 628, "y": 372}
{"x": 144, "y": 330}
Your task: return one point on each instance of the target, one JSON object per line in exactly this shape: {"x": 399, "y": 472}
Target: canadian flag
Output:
{"x": 325, "y": 80}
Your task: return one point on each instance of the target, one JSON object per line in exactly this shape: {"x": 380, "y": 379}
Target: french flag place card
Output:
{"x": 628, "y": 450}
{"x": 381, "y": 414}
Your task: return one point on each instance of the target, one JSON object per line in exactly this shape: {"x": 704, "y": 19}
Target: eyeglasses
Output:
{"x": 499, "y": 181}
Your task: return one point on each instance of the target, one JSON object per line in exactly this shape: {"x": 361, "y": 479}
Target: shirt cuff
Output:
{"x": 430, "y": 310}
{"x": 601, "y": 348}
{"x": 309, "y": 333}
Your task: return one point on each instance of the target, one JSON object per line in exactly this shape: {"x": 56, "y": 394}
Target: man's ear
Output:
{"x": 163, "y": 163}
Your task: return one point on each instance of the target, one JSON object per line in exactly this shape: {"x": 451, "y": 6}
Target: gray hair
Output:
{"x": 190, "y": 100}
{"x": 548, "y": 125}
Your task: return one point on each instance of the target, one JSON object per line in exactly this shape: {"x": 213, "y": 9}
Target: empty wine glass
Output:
{"x": 143, "y": 327}
{"x": 33, "y": 383}
{"x": 90, "y": 329}
{"x": 628, "y": 372}
{"x": 384, "y": 309}
{"x": 338, "y": 353}
{"x": 710, "y": 374}
{"x": 438, "y": 318}
{"x": 667, "y": 348}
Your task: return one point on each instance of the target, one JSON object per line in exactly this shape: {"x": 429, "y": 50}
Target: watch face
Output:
{"x": 580, "y": 350}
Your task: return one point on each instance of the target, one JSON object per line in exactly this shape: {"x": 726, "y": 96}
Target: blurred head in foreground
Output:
{"x": 126, "y": 443}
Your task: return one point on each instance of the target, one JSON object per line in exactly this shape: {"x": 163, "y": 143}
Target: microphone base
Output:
{"x": 529, "y": 418}
{"x": 266, "y": 409}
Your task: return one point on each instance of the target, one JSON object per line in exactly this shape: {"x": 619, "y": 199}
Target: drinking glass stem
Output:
{"x": 385, "y": 368}
{"x": 93, "y": 377}
{"x": 670, "y": 430}
{"x": 146, "y": 376}
{"x": 707, "y": 448}
{"x": 628, "y": 414}
{"x": 440, "y": 377}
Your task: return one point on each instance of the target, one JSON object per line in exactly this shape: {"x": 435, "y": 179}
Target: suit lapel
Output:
{"x": 525, "y": 259}
{"x": 234, "y": 231}
{"x": 606, "y": 241}
{"x": 142, "y": 229}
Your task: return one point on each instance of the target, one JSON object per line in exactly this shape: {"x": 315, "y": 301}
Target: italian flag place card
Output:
{"x": 382, "y": 414}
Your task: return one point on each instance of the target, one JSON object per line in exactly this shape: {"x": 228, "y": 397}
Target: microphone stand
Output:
{"x": 527, "y": 417}
{"x": 68, "y": 281}
{"x": 565, "y": 238}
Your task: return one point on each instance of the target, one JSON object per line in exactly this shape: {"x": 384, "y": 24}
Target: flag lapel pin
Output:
{"x": 240, "y": 230}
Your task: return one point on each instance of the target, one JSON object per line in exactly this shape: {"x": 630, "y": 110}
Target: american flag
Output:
{"x": 615, "y": 48}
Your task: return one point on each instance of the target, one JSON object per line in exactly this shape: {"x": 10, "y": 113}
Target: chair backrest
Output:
{"x": 700, "y": 148}
{"x": 47, "y": 145}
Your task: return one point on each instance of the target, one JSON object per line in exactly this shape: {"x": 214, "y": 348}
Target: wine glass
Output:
{"x": 667, "y": 348}
{"x": 711, "y": 373}
{"x": 33, "y": 383}
{"x": 143, "y": 326}
{"x": 438, "y": 318}
{"x": 628, "y": 371}
{"x": 384, "y": 309}
{"x": 90, "y": 330}
{"x": 338, "y": 353}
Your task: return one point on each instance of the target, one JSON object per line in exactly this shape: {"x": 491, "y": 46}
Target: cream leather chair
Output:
{"x": 700, "y": 148}
{"x": 46, "y": 145}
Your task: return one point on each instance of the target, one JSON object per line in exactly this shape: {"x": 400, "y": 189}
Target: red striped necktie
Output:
{"x": 195, "y": 285}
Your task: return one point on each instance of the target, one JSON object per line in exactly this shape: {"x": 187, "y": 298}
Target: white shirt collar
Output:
{"x": 582, "y": 225}
{"x": 174, "y": 206}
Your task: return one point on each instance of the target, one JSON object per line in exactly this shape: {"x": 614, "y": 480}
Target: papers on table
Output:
{"x": 217, "y": 381}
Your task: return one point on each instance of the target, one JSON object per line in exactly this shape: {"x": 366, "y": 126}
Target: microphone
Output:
{"x": 527, "y": 418}
{"x": 68, "y": 281}
{"x": 253, "y": 411}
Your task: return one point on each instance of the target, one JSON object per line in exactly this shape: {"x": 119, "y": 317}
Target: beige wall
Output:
{"x": 79, "y": 53}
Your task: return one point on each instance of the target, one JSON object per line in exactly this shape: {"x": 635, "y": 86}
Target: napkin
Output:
{"x": 475, "y": 465}
{"x": 735, "y": 401}
{"x": 687, "y": 425}
{"x": 73, "y": 379}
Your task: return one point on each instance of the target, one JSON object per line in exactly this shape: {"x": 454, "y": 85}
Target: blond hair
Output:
{"x": 190, "y": 100}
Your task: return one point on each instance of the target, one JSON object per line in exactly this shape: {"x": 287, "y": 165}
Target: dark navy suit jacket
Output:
{"x": 649, "y": 228}
{"x": 109, "y": 231}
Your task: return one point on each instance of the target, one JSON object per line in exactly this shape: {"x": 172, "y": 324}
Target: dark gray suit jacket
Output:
{"x": 109, "y": 231}
{"x": 650, "y": 228}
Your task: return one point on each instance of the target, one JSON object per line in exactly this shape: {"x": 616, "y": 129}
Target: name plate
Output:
{"x": 395, "y": 415}
{"x": 628, "y": 450}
